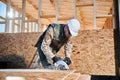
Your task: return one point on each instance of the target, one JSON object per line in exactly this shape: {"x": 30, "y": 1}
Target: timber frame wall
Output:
{"x": 35, "y": 24}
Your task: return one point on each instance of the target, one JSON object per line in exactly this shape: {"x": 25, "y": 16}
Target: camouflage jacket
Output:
{"x": 54, "y": 39}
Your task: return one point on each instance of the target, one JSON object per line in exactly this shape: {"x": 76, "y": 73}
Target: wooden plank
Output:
{"x": 34, "y": 20}
{"x": 15, "y": 18}
{"x": 104, "y": 16}
{"x": 47, "y": 16}
{"x": 35, "y": 70}
{"x": 73, "y": 76}
{"x": 13, "y": 22}
{"x": 34, "y": 27}
{"x": 2, "y": 22}
{"x": 18, "y": 23}
{"x": 31, "y": 26}
{"x": 2, "y": 18}
{"x": 75, "y": 11}
{"x": 39, "y": 12}
{"x": 23, "y": 15}
{"x": 37, "y": 75}
{"x": 7, "y": 21}
{"x": 83, "y": 5}
{"x": 68, "y": 75}
{"x": 94, "y": 11}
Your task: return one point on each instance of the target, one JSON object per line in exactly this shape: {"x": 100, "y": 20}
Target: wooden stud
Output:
{"x": 15, "y": 18}
{"x": 31, "y": 26}
{"x": 83, "y": 5}
{"x": 7, "y": 12}
{"x": 18, "y": 23}
{"x": 13, "y": 22}
{"x": 2, "y": 22}
{"x": 34, "y": 20}
{"x": 104, "y": 16}
{"x": 34, "y": 27}
{"x": 56, "y": 11}
{"x": 2, "y": 18}
{"x": 47, "y": 16}
{"x": 23, "y": 15}
{"x": 75, "y": 11}
{"x": 94, "y": 7}
{"x": 28, "y": 26}
{"x": 39, "y": 12}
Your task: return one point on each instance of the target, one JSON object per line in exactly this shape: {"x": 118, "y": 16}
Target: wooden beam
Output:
{"x": 75, "y": 11}
{"x": 23, "y": 15}
{"x": 2, "y": 18}
{"x": 83, "y": 5}
{"x": 47, "y": 16}
{"x": 19, "y": 22}
{"x": 7, "y": 11}
{"x": 28, "y": 26}
{"x": 12, "y": 5}
{"x": 15, "y": 18}
{"x": 31, "y": 26}
{"x": 68, "y": 75}
{"x": 39, "y": 12}
{"x": 13, "y": 22}
{"x": 2, "y": 22}
{"x": 17, "y": 8}
{"x": 34, "y": 20}
{"x": 36, "y": 70}
{"x": 94, "y": 11}
{"x": 104, "y": 16}
{"x": 34, "y": 27}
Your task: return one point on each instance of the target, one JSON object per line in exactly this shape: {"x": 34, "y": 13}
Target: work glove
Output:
{"x": 67, "y": 60}
{"x": 59, "y": 63}
{"x": 55, "y": 59}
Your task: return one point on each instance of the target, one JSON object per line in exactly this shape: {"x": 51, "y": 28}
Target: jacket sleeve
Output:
{"x": 68, "y": 48}
{"x": 46, "y": 42}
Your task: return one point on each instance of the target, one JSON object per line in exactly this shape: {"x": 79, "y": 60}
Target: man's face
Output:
{"x": 67, "y": 32}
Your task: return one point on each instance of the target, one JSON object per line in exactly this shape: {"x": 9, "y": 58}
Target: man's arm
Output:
{"x": 46, "y": 42}
{"x": 68, "y": 48}
{"x": 68, "y": 51}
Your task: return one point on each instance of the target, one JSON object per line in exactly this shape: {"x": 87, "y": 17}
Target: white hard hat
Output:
{"x": 74, "y": 26}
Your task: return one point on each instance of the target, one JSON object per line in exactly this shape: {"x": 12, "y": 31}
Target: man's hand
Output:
{"x": 67, "y": 60}
{"x": 61, "y": 65}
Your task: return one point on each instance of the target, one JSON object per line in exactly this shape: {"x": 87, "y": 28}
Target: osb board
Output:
{"x": 73, "y": 76}
{"x": 85, "y": 77}
{"x": 18, "y": 48}
{"x": 44, "y": 75}
{"x": 93, "y": 50}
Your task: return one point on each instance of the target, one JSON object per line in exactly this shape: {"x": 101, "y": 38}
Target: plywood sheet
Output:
{"x": 93, "y": 51}
{"x": 36, "y": 75}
